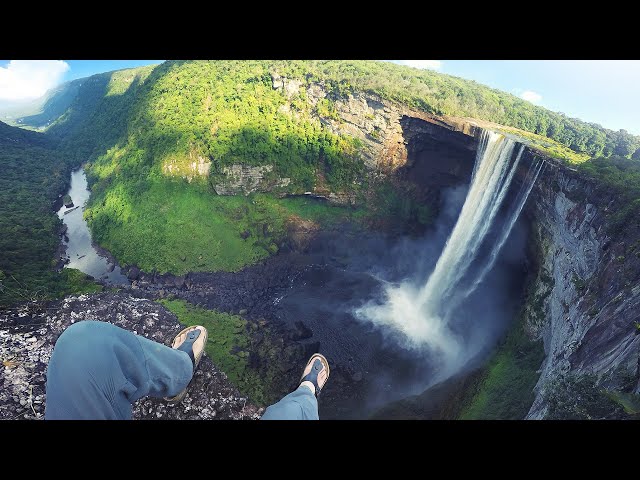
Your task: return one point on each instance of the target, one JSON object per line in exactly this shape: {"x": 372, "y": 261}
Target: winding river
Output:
{"x": 81, "y": 252}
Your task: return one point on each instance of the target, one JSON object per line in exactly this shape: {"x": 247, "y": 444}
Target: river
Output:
{"x": 81, "y": 252}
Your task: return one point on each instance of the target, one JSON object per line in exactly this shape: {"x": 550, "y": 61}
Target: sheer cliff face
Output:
{"x": 587, "y": 295}
{"x": 394, "y": 136}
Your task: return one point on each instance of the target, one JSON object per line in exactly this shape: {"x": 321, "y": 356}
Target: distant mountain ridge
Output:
{"x": 43, "y": 111}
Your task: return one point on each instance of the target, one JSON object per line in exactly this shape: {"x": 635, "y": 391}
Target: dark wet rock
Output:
{"x": 301, "y": 331}
{"x": 28, "y": 334}
{"x": 133, "y": 273}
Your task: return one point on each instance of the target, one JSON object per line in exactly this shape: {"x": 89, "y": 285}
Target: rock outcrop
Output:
{"x": 382, "y": 126}
{"x": 587, "y": 296}
{"x": 193, "y": 166}
{"x": 243, "y": 180}
{"x": 28, "y": 335}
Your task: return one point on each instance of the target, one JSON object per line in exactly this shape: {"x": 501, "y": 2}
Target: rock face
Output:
{"x": 587, "y": 296}
{"x": 375, "y": 123}
{"x": 436, "y": 156}
{"x": 385, "y": 128}
{"x": 289, "y": 86}
{"x": 192, "y": 167}
{"x": 243, "y": 180}
{"x": 28, "y": 335}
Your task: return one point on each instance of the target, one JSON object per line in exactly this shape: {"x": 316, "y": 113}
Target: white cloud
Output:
{"x": 430, "y": 64}
{"x": 531, "y": 96}
{"x": 25, "y": 79}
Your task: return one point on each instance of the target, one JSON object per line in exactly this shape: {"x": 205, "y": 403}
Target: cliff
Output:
{"x": 28, "y": 335}
{"x": 392, "y": 137}
{"x": 587, "y": 297}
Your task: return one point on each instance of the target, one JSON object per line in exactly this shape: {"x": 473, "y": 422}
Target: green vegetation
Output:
{"x": 578, "y": 282}
{"x": 228, "y": 346}
{"x": 75, "y": 282}
{"x": 447, "y": 95}
{"x": 505, "y": 390}
{"x": 221, "y": 112}
{"x": 198, "y": 231}
{"x": 630, "y": 402}
{"x": 396, "y": 209}
{"x": 620, "y": 176}
{"x": 99, "y": 113}
{"x": 41, "y": 112}
{"x": 225, "y": 111}
{"x": 33, "y": 174}
{"x": 551, "y": 147}
{"x": 580, "y": 397}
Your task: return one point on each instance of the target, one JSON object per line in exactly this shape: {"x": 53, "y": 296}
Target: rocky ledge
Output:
{"x": 28, "y": 335}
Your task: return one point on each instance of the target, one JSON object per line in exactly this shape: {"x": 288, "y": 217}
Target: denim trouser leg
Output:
{"x": 301, "y": 404}
{"x": 97, "y": 370}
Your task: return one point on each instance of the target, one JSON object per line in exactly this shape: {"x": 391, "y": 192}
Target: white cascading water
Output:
{"x": 421, "y": 312}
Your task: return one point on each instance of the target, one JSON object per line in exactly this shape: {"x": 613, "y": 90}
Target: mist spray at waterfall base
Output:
{"x": 437, "y": 314}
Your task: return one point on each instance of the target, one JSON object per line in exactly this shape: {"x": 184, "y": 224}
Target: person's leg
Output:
{"x": 301, "y": 404}
{"x": 97, "y": 370}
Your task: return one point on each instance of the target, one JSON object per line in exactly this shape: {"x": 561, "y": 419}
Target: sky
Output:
{"x": 602, "y": 91}
{"x": 29, "y": 79}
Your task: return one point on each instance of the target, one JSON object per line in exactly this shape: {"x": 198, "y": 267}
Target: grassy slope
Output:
{"x": 228, "y": 345}
{"x": 198, "y": 231}
{"x": 505, "y": 388}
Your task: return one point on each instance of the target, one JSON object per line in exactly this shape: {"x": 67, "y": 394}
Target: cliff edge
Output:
{"x": 29, "y": 332}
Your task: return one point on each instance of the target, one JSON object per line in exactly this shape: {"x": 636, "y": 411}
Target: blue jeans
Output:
{"x": 97, "y": 371}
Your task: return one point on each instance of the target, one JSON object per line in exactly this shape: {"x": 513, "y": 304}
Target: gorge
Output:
{"x": 514, "y": 256}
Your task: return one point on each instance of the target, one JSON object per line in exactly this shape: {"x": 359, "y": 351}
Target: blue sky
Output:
{"x": 602, "y": 91}
{"x": 85, "y": 68}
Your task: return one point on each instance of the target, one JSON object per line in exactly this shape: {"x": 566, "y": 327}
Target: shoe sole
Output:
{"x": 324, "y": 361}
{"x": 178, "y": 398}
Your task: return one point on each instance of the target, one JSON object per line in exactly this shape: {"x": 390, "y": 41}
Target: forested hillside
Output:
{"x": 444, "y": 94}
{"x": 41, "y": 112}
{"x": 422, "y": 89}
{"x": 32, "y": 175}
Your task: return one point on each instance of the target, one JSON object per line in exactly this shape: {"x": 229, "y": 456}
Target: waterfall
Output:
{"x": 420, "y": 312}
{"x": 520, "y": 200}
{"x": 489, "y": 184}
